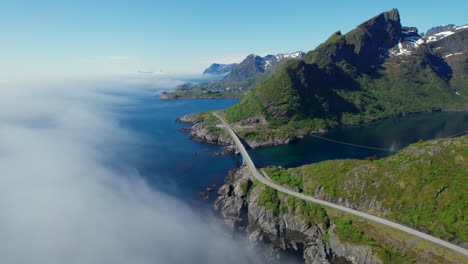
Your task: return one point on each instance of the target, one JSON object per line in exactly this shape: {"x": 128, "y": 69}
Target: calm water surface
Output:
{"x": 166, "y": 157}
{"x": 392, "y": 133}
{"x": 173, "y": 163}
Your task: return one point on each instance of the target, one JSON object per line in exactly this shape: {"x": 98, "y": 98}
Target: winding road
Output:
{"x": 263, "y": 179}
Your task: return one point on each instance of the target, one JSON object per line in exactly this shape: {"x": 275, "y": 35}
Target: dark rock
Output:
{"x": 224, "y": 152}
{"x": 435, "y": 30}
{"x": 190, "y": 119}
{"x": 285, "y": 233}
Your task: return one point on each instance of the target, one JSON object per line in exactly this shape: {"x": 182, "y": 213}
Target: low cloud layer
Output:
{"x": 61, "y": 202}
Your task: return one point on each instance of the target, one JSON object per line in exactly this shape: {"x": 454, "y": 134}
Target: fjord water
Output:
{"x": 389, "y": 134}
{"x": 166, "y": 158}
{"x": 175, "y": 164}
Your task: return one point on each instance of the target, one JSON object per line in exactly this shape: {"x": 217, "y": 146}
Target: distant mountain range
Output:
{"x": 255, "y": 64}
{"x": 378, "y": 69}
{"x": 251, "y": 69}
{"x": 437, "y": 29}
{"x": 219, "y": 69}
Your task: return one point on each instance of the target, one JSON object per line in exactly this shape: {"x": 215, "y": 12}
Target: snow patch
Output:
{"x": 401, "y": 51}
{"x": 271, "y": 60}
{"x": 439, "y": 36}
{"x": 461, "y": 27}
{"x": 448, "y": 55}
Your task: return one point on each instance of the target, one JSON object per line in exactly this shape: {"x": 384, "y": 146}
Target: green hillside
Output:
{"x": 423, "y": 185}
{"x": 345, "y": 80}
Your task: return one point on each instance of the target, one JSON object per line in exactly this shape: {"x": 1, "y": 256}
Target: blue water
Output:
{"x": 166, "y": 157}
{"x": 175, "y": 164}
{"x": 392, "y": 134}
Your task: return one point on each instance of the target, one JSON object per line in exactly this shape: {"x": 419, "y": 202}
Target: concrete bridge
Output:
{"x": 265, "y": 180}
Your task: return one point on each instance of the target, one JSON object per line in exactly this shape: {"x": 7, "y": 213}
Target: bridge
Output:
{"x": 264, "y": 179}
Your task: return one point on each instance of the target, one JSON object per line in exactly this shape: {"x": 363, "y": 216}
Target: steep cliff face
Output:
{"x": 362, "y": 46}
{"x": 420, "y": 186}
{"x": 376, "y": 70}
{"x": 238, "y": 203}
{"x": 281, "y": 223}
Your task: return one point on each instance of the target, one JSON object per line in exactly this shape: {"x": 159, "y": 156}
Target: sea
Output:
{"x": 173, "y": 163}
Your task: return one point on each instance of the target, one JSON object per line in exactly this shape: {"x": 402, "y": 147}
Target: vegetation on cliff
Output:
{"x": 350, "y": 78}
{"x": 423, "y": 185}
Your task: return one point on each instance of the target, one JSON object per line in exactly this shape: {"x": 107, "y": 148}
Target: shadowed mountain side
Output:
{"x": 376, "y": 70}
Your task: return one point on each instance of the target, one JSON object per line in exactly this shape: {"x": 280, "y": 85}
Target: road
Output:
{"x": 248, "y": 161}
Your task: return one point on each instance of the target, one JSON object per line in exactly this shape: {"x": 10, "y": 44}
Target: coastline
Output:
{"x": 314, "y": 232}
{"x": 200, "y": 132}
{"x": 171, "y": 96}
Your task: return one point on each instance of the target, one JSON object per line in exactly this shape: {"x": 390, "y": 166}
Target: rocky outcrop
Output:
{"x": 190, "y": 119}
{"x": 363, "y": 204}
{"x": 354, "y": 253}
{"x": 200, "y": 132}
{"x": 239, "y": 207}
{"x": 435, "y": 30}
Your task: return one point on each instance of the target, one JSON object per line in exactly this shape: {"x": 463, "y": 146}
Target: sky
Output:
{"x": 59, "y": 200}
{"x": 181, "y": 36}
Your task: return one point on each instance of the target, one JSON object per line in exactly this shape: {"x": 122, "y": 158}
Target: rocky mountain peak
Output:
{"x": 437, "y": 29}
{"x": 254, "y": 64}
{"x": 384, "y": 28}
{"x": 365, "y": 46}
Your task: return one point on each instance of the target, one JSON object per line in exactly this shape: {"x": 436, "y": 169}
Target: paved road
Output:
{"x": 248, "y": 161}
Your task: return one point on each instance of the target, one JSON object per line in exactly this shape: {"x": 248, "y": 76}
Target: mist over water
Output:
{"x": 95, "y": 171}
{"x": 72, "y": 190}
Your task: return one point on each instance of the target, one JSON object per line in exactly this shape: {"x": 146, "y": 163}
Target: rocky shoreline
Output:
{"x": 238, "y": 204}
{"x": 199, "y": 132}
{"x": 281, "y": 234}
{"x": 315, "y": 243}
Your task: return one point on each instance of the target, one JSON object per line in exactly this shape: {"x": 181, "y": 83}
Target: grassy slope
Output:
{"x": 315, "y": 92}
{"x": 405, "y": 183}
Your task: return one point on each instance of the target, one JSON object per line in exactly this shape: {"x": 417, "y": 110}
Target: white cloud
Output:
{"x": 60, "y": 202}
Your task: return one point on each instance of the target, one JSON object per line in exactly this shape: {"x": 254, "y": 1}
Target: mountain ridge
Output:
{"x": 254, "y": 64}
{"x": 219, "y": 69}
{"x": 365, "y": 74}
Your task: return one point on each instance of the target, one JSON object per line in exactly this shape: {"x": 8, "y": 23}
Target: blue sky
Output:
{"x": 124, "y": 37}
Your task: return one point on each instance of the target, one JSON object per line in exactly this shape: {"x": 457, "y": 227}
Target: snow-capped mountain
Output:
{"x": 410, "y": 41}
{"x": 254, "y": 64}
{"x": 271, "y": 60}
{"x": 435, "y": 30}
